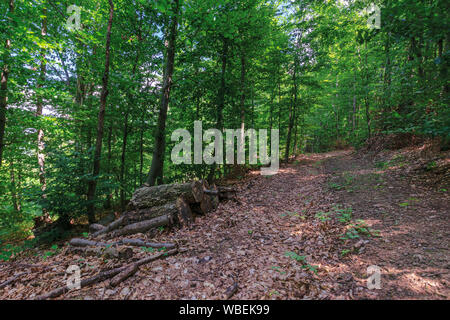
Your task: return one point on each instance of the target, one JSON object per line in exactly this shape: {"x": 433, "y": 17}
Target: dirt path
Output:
{"x": 413, "y": 220}
{"x": 309, "y": 232}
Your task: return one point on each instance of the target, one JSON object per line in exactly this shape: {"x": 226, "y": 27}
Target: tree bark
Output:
{"x": 242, "y": 105}
{"x": 220, "y": 98}
{"x": 125, "y": 137}
{"x": 156, "y": 170}
{"x": 101, "y": 118}
{"x": 148, "y": 197}
{"x": 14, "y": 196}
{"x": 45, "y": 218}
{"x": 144, "y": 226}
{"x": 141, "y": 153}
{"x": 122, "y": 163}
{"x": 292, "y": 111}
{"x": 108, "y": 203}
{"x": 4, "y": 88}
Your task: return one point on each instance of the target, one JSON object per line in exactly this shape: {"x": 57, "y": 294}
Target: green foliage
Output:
{"x": 311, "y": 66}
{"x": 335, "y": 186}
{"x": 54, "y": 250}
{"x": 343, "y": 215}
{"x": 357, "y": 229}
{"x": 346, "y": 182}
{"x": 302, "y": 260}
{"x": 9, "y": 251}
{"x": 411, "y": 201}
{"x": 345, "y": 252}
{"x": 148, "y": 249}
{"x": 323, "y": 216}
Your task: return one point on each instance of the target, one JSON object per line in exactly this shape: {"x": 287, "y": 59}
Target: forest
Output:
{"x": 91, "y": 92}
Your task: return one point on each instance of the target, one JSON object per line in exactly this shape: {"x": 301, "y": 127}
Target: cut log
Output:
{"x": 184, "y": 216}
{"x": 227, "y": 193}
{"x": 106, "y": 252}
{"x": 224, "y": 193}
{"x": 149, "y": 197}
{"x": 214, "y": 198}
{"x": 77, "y": 242}
{"x": 150, "y": 213}
{"x": 143, "y": 226}
{"x": 141, "y": 243}
{"x": 112, "y": 226}
{"x": 206, "y": 205}
{"x": 95, "y": 227}
{"x": 86, "y": 252}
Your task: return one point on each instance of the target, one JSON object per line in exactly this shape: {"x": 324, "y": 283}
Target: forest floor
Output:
{"x": 309, "y": 232}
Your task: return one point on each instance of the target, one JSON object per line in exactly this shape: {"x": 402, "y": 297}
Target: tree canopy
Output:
{"x": 86, "y": 114}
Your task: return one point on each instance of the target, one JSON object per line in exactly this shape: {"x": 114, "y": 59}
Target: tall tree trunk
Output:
{"x": 242, "y": 105}
{"x": 335, "y": 109}
{"x": 387, "y": 81}
{"x": 271, "y": 110}
{"x": 13, "y": 189}
{"x": 292, "y": 111}
{"x": 4, "y": 88}
{"x": 295, "y": 134}
{"x": 443, "y": 67}
{"x": 279, "y": 105}
{"x": 125, "y": 137}
{"x": 354, "y": 108}
{"x": 122, "y": 163}
{"x": 156, "y": 170}
{"x": 417, "y": 51}
{"x": 222, "y": 89}
{"x": 253, "y": 106}
{"x": 220, "y": 98}
{"x": 366, "y": 98}
{"x": 108, "y": 203}
{"x": 141, "y": 153}
{"x": 45, "y": 218}
{"x": 101, "y": 118}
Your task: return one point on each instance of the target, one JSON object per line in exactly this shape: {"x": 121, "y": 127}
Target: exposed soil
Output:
{"x": 285, "y": 239}
{"x": 413, "y": 220}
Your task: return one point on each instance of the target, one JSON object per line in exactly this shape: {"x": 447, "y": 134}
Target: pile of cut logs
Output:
{"x": 150, "y": 207}
{"x": 164, "y": 205}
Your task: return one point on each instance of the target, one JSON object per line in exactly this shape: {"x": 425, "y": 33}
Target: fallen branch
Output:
{"x": 24, "y": 265}
{"x": 12, "y": 280}
{"x": 141, "y": 227}
{"x": 134, "y": 267}
{"x": 231, "y": 291}
{"x": 112, "y": 226}
{"x": 77, "y": 242}
{"x": 104, "y": 275}
{"x": 106, "y": 252}
{"x": 122, "y": 273}
{"x": 95, "y": 227}
{"x": 141, "y": 243}
{"x": 125, "y": 274}
{"x": 156, "y": 257}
